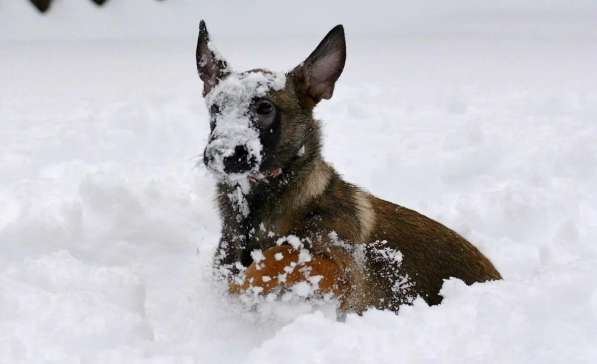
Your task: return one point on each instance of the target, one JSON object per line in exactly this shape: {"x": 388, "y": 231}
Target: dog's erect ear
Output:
{"x": 211, "y": 66}
{"x": 320, "y": 71}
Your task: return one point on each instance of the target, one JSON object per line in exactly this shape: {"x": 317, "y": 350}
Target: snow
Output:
{"x": 107, "y": 228}
{"x": 233, "y": 126}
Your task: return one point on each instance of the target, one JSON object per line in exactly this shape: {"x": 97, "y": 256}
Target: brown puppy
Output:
{"x": 273, "y": 185}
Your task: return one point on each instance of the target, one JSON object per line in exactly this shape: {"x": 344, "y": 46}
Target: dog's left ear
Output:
{"x": 211, "y": 66}
{"x": 320, "y": 71}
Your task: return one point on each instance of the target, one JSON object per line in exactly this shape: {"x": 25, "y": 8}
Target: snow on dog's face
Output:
{"x": 261, "y": 121}
{"x": 241, "y": 116}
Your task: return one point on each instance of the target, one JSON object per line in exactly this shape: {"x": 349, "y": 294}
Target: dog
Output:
{"x": 273, "y": 187}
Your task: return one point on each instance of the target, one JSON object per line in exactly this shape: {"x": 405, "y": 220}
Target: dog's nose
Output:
{"x": 240, "y": 161}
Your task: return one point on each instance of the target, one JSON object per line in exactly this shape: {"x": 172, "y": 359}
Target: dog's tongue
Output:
{"x": 275, "y": 172}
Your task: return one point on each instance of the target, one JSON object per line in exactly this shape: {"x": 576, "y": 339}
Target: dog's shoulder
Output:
{"x": 340, "y": 207}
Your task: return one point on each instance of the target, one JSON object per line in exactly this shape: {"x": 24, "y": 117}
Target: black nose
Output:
{"x": 240, "y": 161}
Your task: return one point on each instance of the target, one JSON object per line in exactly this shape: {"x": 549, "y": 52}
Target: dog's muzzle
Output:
{"x": 239, "y": 162}
{"x": 235, "y": 160}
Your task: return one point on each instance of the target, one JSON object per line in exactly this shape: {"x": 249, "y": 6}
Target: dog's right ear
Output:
{"x": 211, "y": 66}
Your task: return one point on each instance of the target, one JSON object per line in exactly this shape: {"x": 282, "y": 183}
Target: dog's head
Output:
{"x": 260, "y": 119}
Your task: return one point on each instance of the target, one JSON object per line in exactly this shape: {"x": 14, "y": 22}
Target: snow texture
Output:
{"x": 479, "y": 114}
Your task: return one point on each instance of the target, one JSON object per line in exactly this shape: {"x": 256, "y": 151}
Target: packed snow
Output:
{"x": 108, "y": 228}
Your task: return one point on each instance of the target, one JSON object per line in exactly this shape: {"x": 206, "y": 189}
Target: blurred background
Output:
{"x": 77, "y": 19}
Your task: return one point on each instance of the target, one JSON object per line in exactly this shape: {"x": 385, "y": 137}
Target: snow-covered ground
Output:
{"x": 107, "y": 228}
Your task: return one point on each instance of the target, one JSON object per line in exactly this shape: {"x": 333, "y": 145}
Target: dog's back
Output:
{"x": 431, "y": 252}
{"x": 406, "y": 254}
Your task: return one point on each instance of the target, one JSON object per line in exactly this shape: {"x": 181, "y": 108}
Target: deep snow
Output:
{"x": 107, "y": 229}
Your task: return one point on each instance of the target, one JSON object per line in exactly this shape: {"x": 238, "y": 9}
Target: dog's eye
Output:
{"x": 214, "y": 109}
{"x": 264, "y": 107}
{"x": 263, "y": 113}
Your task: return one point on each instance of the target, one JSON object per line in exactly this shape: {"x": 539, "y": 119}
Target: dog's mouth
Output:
{"x": 266, "y": 176}
{"x": 244, "y": 164}
{"x": 253, "y": 176}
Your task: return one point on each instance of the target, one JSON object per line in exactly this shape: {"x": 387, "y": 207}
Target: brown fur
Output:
{"x": 338, "y": 222}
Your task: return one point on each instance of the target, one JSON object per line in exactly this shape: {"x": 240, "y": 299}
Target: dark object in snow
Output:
{"x": 387, "y": 255}
{"x": 99, "y": 2}
{"x": 42, "y": 5}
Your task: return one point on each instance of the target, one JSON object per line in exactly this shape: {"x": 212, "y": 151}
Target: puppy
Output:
{"x": 274, "y": 188}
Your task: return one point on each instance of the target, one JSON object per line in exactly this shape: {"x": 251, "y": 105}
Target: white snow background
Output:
{"x": 482, "y": 115}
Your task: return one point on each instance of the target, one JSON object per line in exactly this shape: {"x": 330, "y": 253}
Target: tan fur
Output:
{"x": 365, "y": 213}
{"x": 314, "y": 184}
